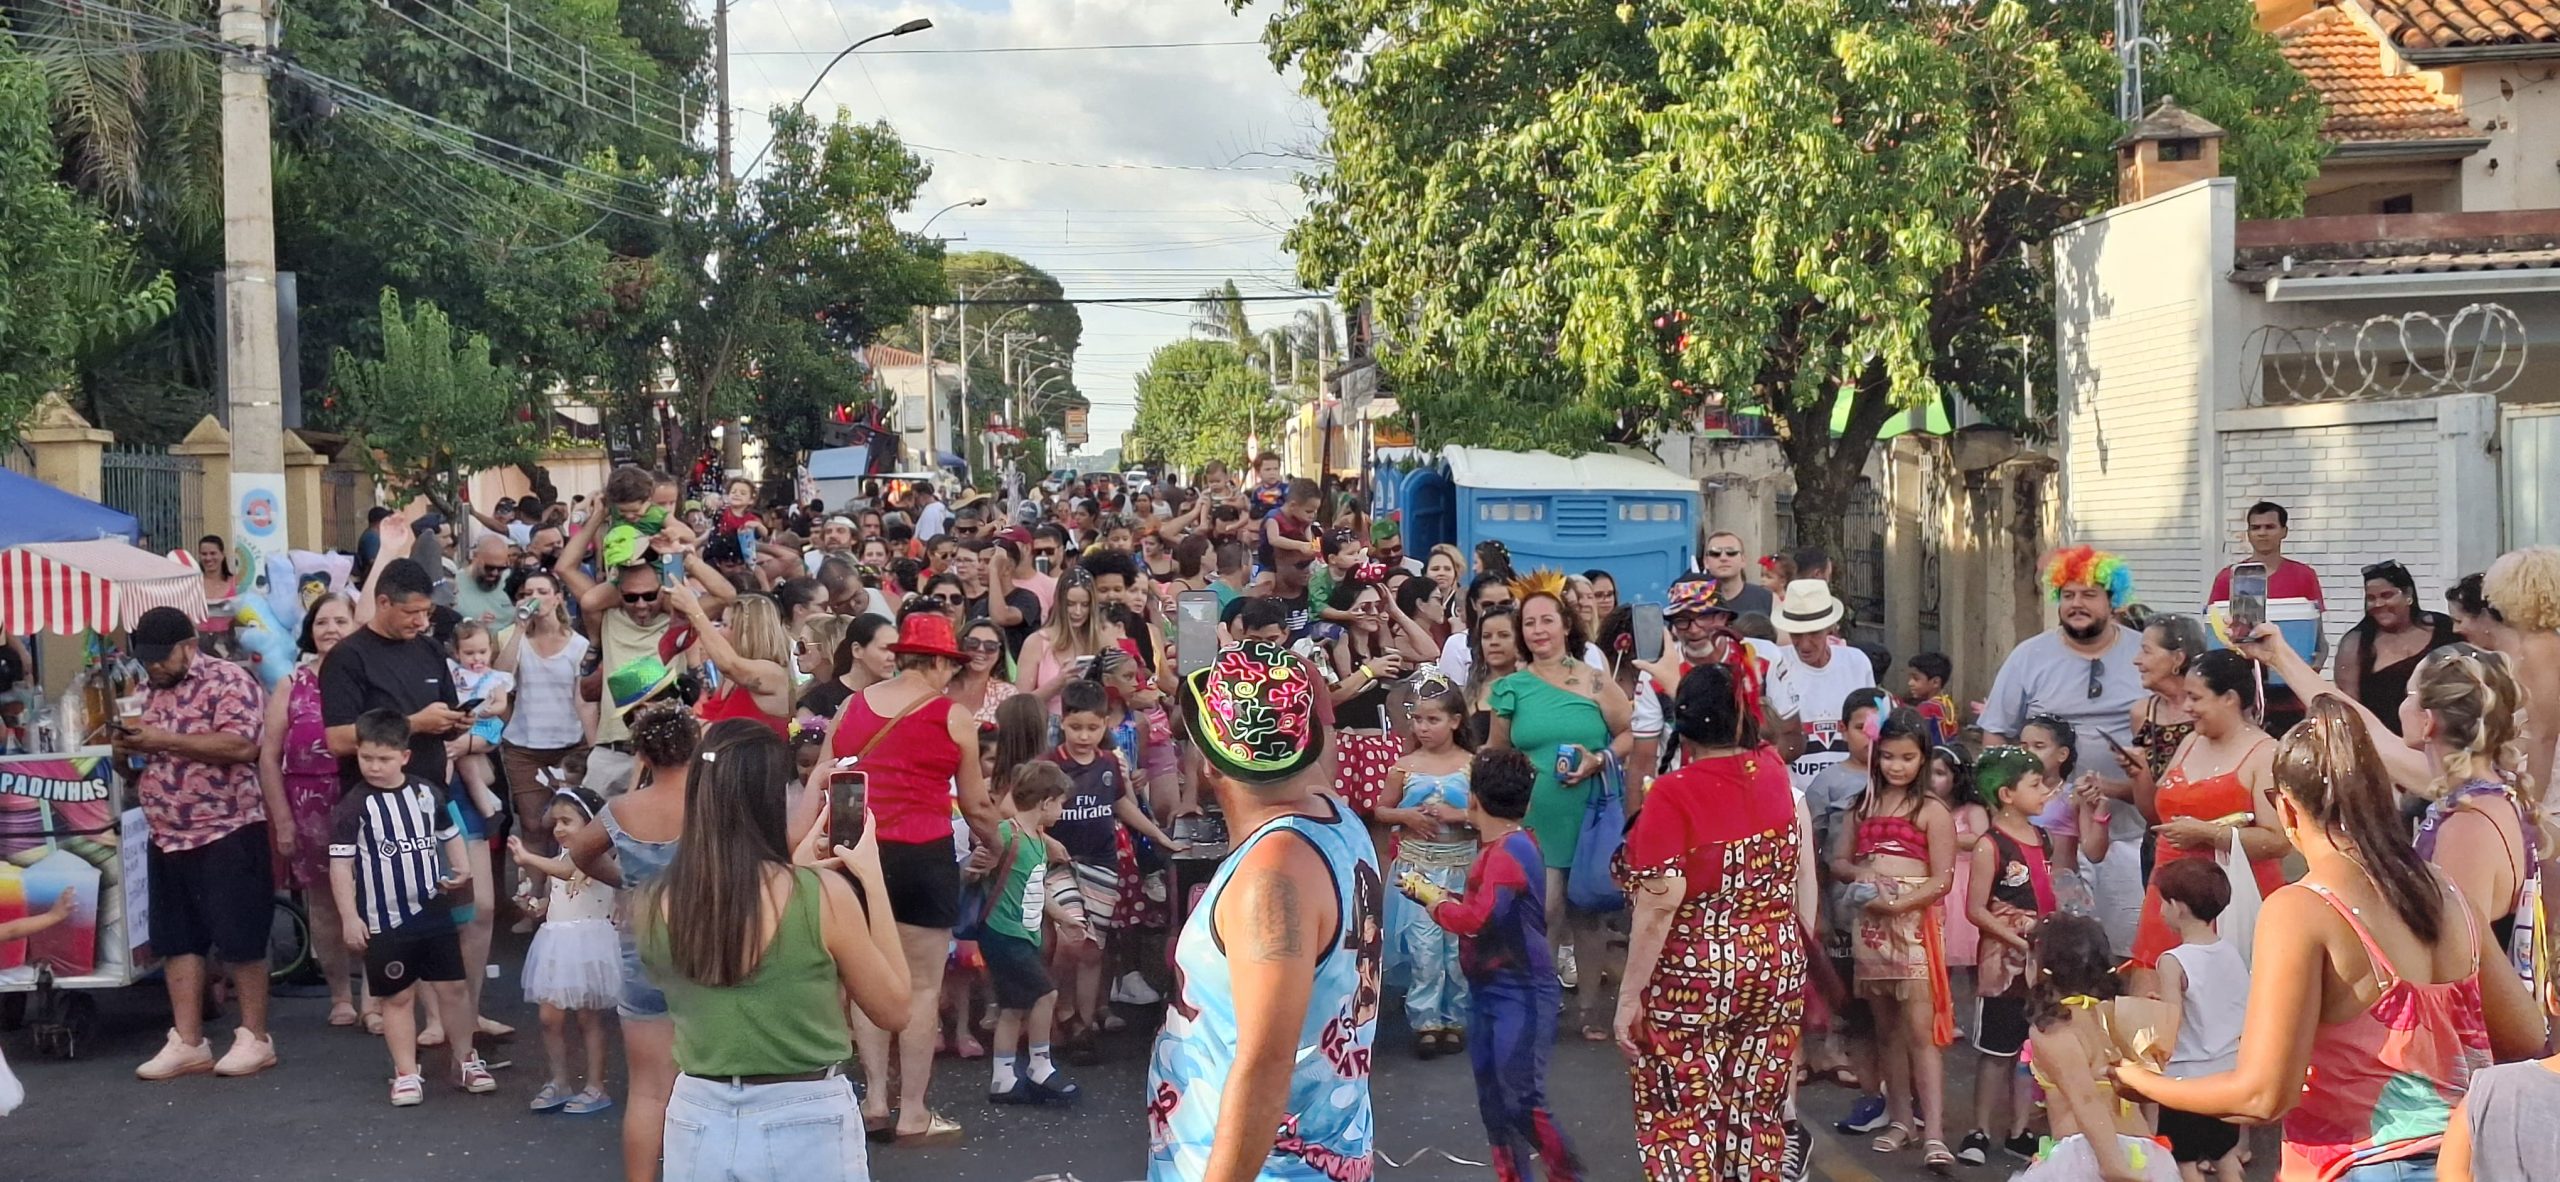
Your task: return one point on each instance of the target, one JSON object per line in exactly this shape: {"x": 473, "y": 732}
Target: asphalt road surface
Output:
{"x": 323, "y": 1113}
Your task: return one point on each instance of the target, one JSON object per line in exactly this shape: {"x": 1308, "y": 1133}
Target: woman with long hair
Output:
{"x": 293, "y": 757}
{"x": 916, "y": 743}
{"x": 2377, "y": 656}
{"x": 982, "y": 684}
{"x": 626, "y": 847}
{"x": 2373, "y": 995}
{"x": 1366, "y": 663}
{"x": 1058, "y": 652}
{"x": 758, "y": 948}
{"x": 551, "y": 724}
{"x": 221, "y": 583}
{"x": 862, "y": 659}
{"x": 1719, "y": 866}
{"x": 2523, "y": 589}
{"x": 813, "y": 654}
{"x": 1493, "y": 643}
{"x": 2218, "y": 791}
{"x": 750, "y": 652}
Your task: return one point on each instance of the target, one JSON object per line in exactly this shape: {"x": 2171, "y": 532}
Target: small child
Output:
{"x": 2076, "y": 816}
{"x": 394, "y": 864}
{"x": 2008, "y": 894}
{"x": 474, "y": 680}
{"x": 20, "y": 929}
{"x": 2097, "y": 1133}
{"x": 2204, "y": 982}
{"x": 1429, "y": 788}
{"x": 1513, "y": 995}
{"x": 1895, "y": 855}
{"x": 1018, "y": 905}
{"x": 1292, "y": 530}
{"x": 574, "y": 968}
{"x": 1847, "y": 1055}
{"x": 1951, "y": 784}
{"x": 1099, "y": 802}
{"x": 2503, "y": 1131}
{"x": 1924, "y": 684}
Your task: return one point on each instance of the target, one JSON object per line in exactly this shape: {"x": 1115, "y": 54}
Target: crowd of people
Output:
{"x": 2165, "y": 880}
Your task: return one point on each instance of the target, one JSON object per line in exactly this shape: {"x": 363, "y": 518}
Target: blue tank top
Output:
{"x": 1326, "y": 1128}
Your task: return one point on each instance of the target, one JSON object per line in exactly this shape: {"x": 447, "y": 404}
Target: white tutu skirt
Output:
{"x": 2071, "y": 1160}
{"x": 574, "y": 964}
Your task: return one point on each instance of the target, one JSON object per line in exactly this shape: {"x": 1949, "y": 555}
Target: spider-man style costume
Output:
{"x": 1513, "y": 996}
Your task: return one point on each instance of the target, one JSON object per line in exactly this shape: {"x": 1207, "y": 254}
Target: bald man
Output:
{"x": 480, "y": 587}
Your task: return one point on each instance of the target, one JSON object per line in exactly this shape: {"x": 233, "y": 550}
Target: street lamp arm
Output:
{"x": 917, "y": 25}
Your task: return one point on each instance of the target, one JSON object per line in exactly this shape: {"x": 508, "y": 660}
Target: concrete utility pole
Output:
{"x": 720, "y": 83}
{"x": 253, "y": 371}
{"x": 924, "y": 337}
{"x": 960, "y": 419}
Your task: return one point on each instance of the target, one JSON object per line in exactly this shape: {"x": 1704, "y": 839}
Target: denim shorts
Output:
{"x": 809, "y": 1131}
{"x": 640, "y": 999}
{"x": 2407, "y": 1169}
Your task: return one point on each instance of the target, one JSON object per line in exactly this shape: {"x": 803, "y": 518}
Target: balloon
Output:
{"x": 271, "y": 649}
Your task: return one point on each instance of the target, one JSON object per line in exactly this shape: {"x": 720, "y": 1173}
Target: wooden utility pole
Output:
{"x": 253, "y": 369}
{"x": 720, "y": 80}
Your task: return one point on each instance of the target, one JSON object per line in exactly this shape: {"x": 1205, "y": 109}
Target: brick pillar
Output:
{"x": 306, "y": 523}
{"x": 69, "y": 453}
{"x": 209, "y": 444}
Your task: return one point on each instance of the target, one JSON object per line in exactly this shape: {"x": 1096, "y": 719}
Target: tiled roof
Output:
{"x": 2467, "y": 24}
{"x": 2256, "y": 273}
{"x": 2342, "y": 60}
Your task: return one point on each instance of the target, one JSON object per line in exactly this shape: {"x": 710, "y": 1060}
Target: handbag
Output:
{"x": 2238, "y": 923}
{"x": 1591, "y": 885}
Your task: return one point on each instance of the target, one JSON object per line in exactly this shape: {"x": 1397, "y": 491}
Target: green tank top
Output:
{"x": 788, "y": 1018}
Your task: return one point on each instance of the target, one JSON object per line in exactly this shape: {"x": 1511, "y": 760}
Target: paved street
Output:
{"x": 89, "y": 1119}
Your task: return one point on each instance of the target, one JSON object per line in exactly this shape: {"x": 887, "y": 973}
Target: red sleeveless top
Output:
{"x": 911, "y": 769}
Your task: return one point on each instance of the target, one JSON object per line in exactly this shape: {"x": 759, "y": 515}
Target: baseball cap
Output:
{"x": 1253, "y": 712}
{"x": 158, "y": 633}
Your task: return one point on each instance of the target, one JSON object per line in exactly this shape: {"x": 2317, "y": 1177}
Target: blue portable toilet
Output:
{"x": 1619, "y": 511}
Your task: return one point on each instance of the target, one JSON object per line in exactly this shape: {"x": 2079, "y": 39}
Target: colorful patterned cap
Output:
{"x": 1253, "y": 712}
{"x": 2001, "y": 767}
{"x": 1693, "y": 595}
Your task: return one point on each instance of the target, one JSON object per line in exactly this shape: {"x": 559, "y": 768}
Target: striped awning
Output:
{"x": 69, "y": 588}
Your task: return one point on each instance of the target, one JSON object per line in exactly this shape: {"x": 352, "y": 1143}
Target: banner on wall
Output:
{"x": 60, "y": 830}
{"x": 257, "y": 518}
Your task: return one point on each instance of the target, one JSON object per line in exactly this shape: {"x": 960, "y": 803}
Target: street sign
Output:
{"x": 1073, "y": 431}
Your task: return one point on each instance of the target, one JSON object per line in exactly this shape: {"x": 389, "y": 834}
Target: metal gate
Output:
{"x": 152, "y": 485}
{"x": 2530, "y": 442}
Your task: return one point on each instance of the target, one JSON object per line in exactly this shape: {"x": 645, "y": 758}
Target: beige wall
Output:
{"x": 2516, "y": 105}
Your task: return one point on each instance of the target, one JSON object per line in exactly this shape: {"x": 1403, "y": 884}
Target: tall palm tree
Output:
{"x": 1218, "y": 315}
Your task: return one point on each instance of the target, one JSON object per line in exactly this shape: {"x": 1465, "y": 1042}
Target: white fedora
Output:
{"x": 1809, "y": 606}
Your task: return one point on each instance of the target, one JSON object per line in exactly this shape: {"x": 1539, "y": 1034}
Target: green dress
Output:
{"x": 1542, "y": 719}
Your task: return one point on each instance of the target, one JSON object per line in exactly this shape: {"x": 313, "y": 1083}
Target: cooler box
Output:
{"x": 2297, "y": 618}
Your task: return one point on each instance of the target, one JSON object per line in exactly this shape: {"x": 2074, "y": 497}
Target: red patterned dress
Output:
{"x": 1725, "y": 1005}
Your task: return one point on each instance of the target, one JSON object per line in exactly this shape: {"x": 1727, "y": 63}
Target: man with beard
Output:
{"x": 481, "y": 593}
{"x": 835, "y": 540}
{"x": 2082, "y": 672}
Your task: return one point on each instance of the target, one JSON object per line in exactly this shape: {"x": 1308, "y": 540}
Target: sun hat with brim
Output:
{"x": 1809, "y": 607}
{"x": 624, "y": 545}
{"x": 928, "y": 634}
{"x": 636, "y": 683}
{"x": 1253, "y": 712}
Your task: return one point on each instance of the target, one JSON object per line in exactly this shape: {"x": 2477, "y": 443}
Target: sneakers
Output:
{"x": 1132, "y": 990}
{"x": 1866, "y": 1116}
{"x": 1975, "y": 1149}
{"x": 177, "y": 1058}
{"x": 249, "y": 1054}
{"x": 591, "y": 1100}
{"x": 407, "y": 1091}
{"x": 1568, "y": 973}
{"x": 475, "y": 1078}
{"x": 1057, "y": 1091}
{"x": 2023, "y": 1146}
{"x": 1799, "y": 1152}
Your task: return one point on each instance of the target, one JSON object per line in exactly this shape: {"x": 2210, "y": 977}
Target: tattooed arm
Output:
{"x": 1276, "y": 917}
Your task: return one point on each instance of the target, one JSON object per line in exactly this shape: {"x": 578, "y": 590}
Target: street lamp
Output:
{"x": 917, "y": 25}
{"x": 937, "y": 214}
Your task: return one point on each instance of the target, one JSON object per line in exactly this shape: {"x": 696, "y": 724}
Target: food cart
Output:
{"x": 66, "y": 819}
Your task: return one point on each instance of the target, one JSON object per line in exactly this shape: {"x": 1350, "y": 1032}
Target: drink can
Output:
{"x": 1568, "y": 758}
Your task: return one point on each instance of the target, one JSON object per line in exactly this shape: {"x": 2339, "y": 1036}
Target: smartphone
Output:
{"x": 848, "y": 791}
{"x": 1195, "y": 630}
{"x": 472, "y": 706}
{"x": 2248, "y": 598}
{"x": 1646, "y": 624}
{"x": 1043, "y": 563}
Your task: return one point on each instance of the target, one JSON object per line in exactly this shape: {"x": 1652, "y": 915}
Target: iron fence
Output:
{"x": 152, "y": 485}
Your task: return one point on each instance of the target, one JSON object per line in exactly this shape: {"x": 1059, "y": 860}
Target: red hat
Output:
{"x": 1016, "y": 535}
{"x": 927, "y": 634}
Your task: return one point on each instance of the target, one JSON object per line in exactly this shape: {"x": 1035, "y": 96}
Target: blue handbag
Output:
{"x": 1589, "y": 885}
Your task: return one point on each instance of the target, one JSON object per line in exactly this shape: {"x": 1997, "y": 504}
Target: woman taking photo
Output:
{"x": 2373, "y": 996}
{"x": 627, "y": 847}
{"x": 2383, "y": 649}
{"x": 1719, "y": 864}
{"x": 2218, "y": 790}
{"x": 915, "y": 743}
{"x": 1566, "y": 716}
{"x": 752, "y": 655}
{"x": 758, "y": 940}
{"x": 293, "y": 754}
{"x": 981, "y": 685}
{"x": 551, "y": 724}
{"x": 1060, "y": 651}
{"x": 1365, "y": 663}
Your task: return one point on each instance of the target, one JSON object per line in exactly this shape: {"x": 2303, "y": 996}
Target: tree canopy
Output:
{"x": 1199, "y": 401}
{"x": 432, "y": 407}
{"x": 1583, "y": 223}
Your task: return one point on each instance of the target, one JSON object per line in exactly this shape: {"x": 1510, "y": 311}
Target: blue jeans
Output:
{"x": 809, "y": 1132}
{"x": 2412, "y": 1169}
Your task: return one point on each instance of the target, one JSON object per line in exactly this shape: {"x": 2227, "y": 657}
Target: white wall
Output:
{"x": 2518, "y": 108}
{"x": 2143, "y": 335}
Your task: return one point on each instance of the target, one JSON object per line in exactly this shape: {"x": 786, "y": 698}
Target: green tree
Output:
{"x": 433, "y": 408}
{"x": 1591, "y": 220}
{"x": 1198, "y": 401}
{"x": 68, "y": 282}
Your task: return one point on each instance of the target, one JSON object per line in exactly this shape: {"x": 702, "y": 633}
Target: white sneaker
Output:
{"x": 407, "y": 1091}
{"x": 1132, "y": 990}
{"x": 177, "y": 1058}
{"x": 249, "y": 1054}
{"x": 1568, "y": 974}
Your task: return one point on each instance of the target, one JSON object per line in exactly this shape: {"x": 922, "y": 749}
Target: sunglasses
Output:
{"x": 1044, "y": 552}
{"x": 640, "y": 596}
{"x": 949, "y": 600}
{"x": 980, "y": 644}
{"x": 2097, "y": 678}
{"x": 1724, "y": 553}
{"x": 2385, "y": 569}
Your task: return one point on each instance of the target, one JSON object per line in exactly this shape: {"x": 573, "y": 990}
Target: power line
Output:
{"x": 1189, "y": 299}
{"x": 1139, "y": 166}
{"x": 973, "y": 49}
{"x": 511, "y": 71}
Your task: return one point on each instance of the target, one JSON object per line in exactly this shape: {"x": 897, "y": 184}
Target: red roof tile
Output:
{"x": 2466, "y": 24}
{"x": 2342, "y": 60}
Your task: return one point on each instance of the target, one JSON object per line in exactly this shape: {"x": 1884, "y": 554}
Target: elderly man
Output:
{"x": 1813, "y": 679}
{"x": 211, "y": 869}
{"x": 2081, "y": 671}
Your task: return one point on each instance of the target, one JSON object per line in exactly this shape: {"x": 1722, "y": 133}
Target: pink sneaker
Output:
{"x": 475, "y": 1077}
{"x": 249, "y": 1054}
{"x": 177, "y": 1058}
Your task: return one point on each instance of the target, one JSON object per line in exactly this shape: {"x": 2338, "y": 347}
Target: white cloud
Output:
{"x": 1106, "y": 231}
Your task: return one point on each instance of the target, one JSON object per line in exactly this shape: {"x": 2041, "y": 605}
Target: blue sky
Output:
{"x": 1071, "y": 149}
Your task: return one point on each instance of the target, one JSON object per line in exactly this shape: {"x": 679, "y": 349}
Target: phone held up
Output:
{"x": 848, "y": 793}
{"x": 1645, "y": 622}
{"x": 2248, "y": 598}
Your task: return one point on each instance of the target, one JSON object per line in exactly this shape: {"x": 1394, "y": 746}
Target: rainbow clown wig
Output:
{"x": 2090, "y": 565}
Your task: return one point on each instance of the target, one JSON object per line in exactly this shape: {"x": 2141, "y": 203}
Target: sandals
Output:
{"x": 939, "y": 1132}
{"x": 881, "y": 1129}
{"x": 1840, "y": 1075}
{"x": 1935, "y": 1156}
{"x": 342, "y": 1013}
{"x": 1894, "y": 1139}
